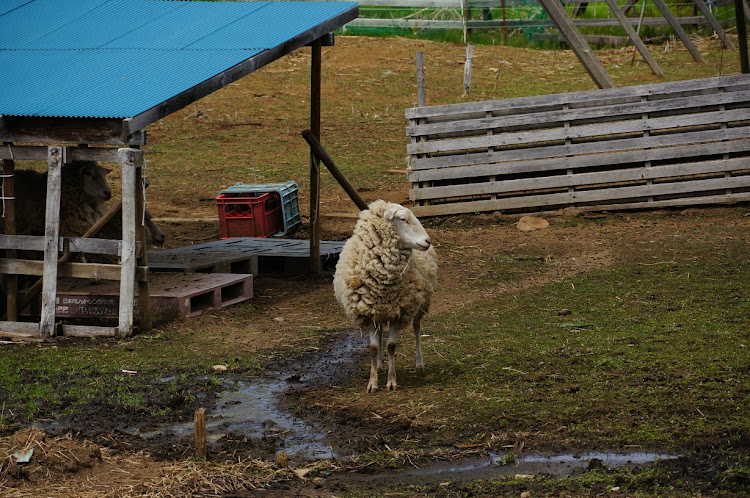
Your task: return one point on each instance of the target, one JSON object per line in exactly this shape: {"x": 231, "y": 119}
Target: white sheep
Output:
{"x": 386, "y": 274}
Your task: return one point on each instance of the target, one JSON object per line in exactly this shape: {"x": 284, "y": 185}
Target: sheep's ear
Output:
{"x": 390, "y": 213}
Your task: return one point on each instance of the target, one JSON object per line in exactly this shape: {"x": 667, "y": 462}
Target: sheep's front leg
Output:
{"x": 418, "y": 342}
{"x": 375, "y": 338}
{"x": 391, "y": 347}
{"x": 381, "y": 347}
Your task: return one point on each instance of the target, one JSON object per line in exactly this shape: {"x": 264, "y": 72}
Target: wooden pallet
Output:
{"x": 651, "y": 146}
{"x": 288, "y": 256}
{"x": 174, "y": 296}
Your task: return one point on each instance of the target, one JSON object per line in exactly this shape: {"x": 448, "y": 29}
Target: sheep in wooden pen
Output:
{"x": 385, "y": 275}
{"x": 83, "y": 201}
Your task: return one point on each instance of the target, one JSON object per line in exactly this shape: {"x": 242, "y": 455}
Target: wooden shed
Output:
{"x": 82, "y": 79}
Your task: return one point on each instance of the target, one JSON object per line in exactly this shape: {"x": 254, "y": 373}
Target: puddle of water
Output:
{"x": 252, "y": 408}
{"x": 490, "y": 467}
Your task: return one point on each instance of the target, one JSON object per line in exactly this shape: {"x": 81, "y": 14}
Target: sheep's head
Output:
{"x": 94, "y": 180}
{"x": 411, "y": 233}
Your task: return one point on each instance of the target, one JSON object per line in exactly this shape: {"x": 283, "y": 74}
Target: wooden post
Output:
{"x": 739, "y": 10}
{"x": 51, "y": 240}
{"x": 577, "y": 43}
{"x": 706, "y": 11}
{"x": 9, "y": 206}
{"x": 467, "y": 69}
{"x": 200, "y": 434}
{"x": 315, "y": 83}
{"x": 321, "y": 153}
{"x": 128, "y": 159}
{"x": 421, "y": 97}
{"x": 625, "y": 23}
{"x": 672, "y": 20}
{"x": 144, "y": 293}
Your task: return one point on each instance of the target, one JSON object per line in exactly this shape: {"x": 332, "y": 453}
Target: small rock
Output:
{"x": 282, "y": 459}
{"x": 524, "y": 476}
{"x": 531, "y": 223}
{"x": 220, "y": 368}
{"x": 526, "y": 494}
{"x": 615, "y": 489}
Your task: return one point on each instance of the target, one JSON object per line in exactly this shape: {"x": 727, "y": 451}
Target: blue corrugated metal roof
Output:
{"x": 119, "y": 58}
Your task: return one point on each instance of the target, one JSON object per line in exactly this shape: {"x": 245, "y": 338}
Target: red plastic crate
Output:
{"x": 249, "y": 214}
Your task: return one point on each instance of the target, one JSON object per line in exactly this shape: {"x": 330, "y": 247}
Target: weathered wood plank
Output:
{"x": 69, "y": 244}
{"x": 609, "y": 130}
{"x": 614, "y": 159}
{"x": 75, "y": 270}
{"x": 52, "y": 233}
{"x": 129, "y": 161}
{"x": 468, "y": 207}
{"x": 599, "y": 179}
{"x": 587, "y": 98}
{"x": 74, "y": 153}
{"x": 560, "y": 151}
{"x": 88, "y": 331}
{"x": 550, "y": 118}
{"x": 557, "y": 200}
{"x": 99, "y": 131}
{"x": 22, "y": 330}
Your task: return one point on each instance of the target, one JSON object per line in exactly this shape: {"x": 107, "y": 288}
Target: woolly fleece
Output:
{"x": 376, "y": 281}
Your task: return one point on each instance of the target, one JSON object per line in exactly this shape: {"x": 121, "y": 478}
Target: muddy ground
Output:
{"x": 98, "y": 453}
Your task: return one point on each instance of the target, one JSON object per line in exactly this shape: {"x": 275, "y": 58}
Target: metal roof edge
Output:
{"x": 140, "y": 121}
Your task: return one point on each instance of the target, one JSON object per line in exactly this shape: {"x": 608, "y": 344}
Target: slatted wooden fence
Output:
{"x": 669, "y": 144}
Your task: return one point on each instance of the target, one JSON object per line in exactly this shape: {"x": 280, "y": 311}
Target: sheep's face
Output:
{"x": 411, "y": 233}
{"x": 94, "y": 181}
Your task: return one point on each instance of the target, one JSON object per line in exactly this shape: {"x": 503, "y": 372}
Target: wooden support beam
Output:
{"x": 679, "y": 31}
{"x": 52, "y": 234}
{"x": 625, "y": 23}
{"x": 421, "y": 97}
{"x": 102, "y": 271}
{"x": 321, "y": 154}
{"x": 144, "y": 293}
{"x": 72, "y": 152}
{"x": 706, "y": 11}
{"x": 9, "y": 212}
{"x": 315, "y": 90}
{"x": 580, "y": 47}
{"x": 740, "y": 6}
{"x": 130, "y": 159}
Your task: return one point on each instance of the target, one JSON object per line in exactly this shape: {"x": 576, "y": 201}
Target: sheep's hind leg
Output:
{"x": 391, "y": 347}
{"x": 375, "y": 338}
{"x": 418, "y": 343}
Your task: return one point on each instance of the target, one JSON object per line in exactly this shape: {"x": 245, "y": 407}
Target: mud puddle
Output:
{"x": 494, "y": 466}
{"x": 252, "y": 408}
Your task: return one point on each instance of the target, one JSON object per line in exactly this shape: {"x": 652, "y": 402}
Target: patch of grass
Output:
{"x": 652, "y": 352}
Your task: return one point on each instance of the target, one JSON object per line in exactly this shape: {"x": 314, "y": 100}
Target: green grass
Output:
{"x": 649, "y": 354}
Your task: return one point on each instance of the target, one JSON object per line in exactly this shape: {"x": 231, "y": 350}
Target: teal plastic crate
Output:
{"x": 287, "y": 192}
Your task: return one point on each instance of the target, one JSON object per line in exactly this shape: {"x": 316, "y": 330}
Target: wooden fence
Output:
{"x": 668, "y": 144}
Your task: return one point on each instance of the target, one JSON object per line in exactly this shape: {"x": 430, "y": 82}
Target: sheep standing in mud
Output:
{"x": 386, "y": 274}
